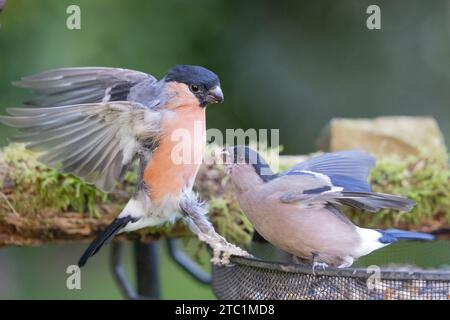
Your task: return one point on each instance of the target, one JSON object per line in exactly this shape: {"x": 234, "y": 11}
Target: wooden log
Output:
{"x": 25, "y": 222}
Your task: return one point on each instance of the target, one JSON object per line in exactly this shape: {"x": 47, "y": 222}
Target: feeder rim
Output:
{"x": 386, "y": 274}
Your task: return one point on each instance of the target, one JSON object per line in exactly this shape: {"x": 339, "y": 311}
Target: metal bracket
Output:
{"x": 146, "y": 259}
{"x": 147, "y": 273}
{"x": 186, "y": 263}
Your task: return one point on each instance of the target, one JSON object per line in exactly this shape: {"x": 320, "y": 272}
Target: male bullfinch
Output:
{"x": 93, "y": 122}
{"x": 298, "y": 210}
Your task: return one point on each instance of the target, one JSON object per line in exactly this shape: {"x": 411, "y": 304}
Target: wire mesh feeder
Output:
{"x": 256, "y": 279}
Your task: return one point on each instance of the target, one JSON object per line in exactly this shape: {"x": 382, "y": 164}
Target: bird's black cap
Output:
{"x": 193, "y": 75}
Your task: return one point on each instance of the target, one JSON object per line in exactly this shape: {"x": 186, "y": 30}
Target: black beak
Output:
{"x": 215, "y": 95}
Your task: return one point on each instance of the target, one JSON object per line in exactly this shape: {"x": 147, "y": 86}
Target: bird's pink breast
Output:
{"x": 176, "y": 161}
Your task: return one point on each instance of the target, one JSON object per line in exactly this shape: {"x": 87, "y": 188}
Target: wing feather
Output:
{"x": 338, "y": 178}
{"x": 96, "y": 142}
{"x": 347, "y": 169}
{"x": 70, "y": 86}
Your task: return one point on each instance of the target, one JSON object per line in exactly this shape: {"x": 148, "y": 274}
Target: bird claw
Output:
{"x": 220, "y": 258}
{"x": 216, "y": 260}
{"x": 223, "y": 251}
{"x": 316, "y": 264}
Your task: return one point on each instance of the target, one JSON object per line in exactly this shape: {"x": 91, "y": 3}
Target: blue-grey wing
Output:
{"x": 71, "y": 86}
{"x": 346, "y": 169}
{"x": 96, "y": 142}
{"x": 339, "y": 178}
{"x": 90, "y": 122}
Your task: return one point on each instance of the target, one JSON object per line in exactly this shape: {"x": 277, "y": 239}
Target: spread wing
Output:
{"x": 347, "y": 169}
{"x": 96, "y": 142}
{"x": 90, "y": 122}
{"x": 70, "y": 86}
{"x": 337, "y": 178}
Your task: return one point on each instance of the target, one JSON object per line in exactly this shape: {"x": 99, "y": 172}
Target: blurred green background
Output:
{"x": 285, "y": 64}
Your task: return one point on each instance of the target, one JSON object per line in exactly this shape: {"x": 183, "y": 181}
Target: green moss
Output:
{"x": 37, "y": 186}
{"x": 131, "y": 177}
{"x": 230, "y": 220}
{"x": 424, "y": 179}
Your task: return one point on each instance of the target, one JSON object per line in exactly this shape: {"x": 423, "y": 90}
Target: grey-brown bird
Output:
{"x": 298, "y": 210}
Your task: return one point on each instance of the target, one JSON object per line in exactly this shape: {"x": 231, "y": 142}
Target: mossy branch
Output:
{"x": 40, "y": 205}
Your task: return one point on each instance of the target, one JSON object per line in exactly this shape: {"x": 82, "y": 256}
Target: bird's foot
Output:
{"x": 221, "y": 258}
{"x": 232, "y": 250}
{"x": 216, "y": 258}
{"x": 316, "y": 264}
{"x": 223, "y": 250}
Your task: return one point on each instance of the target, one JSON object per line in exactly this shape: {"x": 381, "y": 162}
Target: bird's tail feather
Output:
{"x": 373, "y": 201}
{"x": 104, "y": 237}
{"x": 392, "y": 235}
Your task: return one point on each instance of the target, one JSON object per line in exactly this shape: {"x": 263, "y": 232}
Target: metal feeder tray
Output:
{"x": 262, "y": 280}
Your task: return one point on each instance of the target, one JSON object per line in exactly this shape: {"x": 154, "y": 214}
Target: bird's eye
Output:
{"x": 195, "y": 88}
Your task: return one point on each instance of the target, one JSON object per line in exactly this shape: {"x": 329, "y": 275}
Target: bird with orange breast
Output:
{"x": 94, "y": 122}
